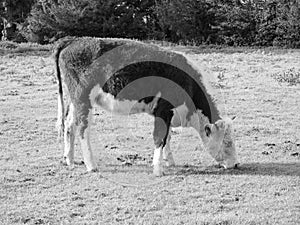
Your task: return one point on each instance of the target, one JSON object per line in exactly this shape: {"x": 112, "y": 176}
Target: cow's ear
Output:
{"x": 207, "y": 129}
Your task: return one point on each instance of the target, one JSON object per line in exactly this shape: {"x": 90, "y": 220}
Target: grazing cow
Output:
{"x": 125, "y": 77}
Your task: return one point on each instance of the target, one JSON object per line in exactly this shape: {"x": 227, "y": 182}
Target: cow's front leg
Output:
{"x": 84, "y": 130}
{"x": 158, "y": 169}
{"x": 69, "y": 136}
{"x": 167, "y": 153}
{"x": 161, "y": 128}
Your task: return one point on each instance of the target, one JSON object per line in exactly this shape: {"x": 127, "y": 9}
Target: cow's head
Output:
{"x": 220, "y": 143}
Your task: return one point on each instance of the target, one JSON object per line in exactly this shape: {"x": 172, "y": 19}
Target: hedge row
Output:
{"x": 230, "y": 22}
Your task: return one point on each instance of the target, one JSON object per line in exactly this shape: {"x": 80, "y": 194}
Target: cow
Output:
{"x": 126, "y": 76}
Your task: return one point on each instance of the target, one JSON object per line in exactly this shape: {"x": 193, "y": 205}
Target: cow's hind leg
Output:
{"x": 167, "y": 153}
{"x": 69, "y": 135}
{"x": 161, "y": 128}
{"x": 85, "y": 122}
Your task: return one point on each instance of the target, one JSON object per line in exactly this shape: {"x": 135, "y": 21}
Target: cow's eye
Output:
{"x": 207, "y": 130}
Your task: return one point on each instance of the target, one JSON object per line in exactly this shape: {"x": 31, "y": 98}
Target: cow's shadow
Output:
{"x": 253, "y": 168}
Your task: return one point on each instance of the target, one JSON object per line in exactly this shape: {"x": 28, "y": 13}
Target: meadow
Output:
{"x": 260, "y": 87}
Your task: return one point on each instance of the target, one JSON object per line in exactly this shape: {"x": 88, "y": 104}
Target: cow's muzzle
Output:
{"x": 235, "y": 166}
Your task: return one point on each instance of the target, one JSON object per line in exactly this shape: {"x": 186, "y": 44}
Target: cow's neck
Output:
{"x": 208, "y": 108}
{"x": 215, "y": 113}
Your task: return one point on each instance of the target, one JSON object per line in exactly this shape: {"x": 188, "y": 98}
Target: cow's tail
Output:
{"x": 61, "y": 108}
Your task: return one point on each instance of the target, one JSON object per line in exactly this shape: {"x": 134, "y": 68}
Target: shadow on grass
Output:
{"x": 260, "y": 169}
{"x": 117, "y": 168}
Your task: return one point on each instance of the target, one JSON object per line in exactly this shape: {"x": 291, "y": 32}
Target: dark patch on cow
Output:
{"x": 177, "y": 87}
{"x": 163, "y": 115}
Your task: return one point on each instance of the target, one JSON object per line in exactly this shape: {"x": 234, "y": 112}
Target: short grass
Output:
{"x": 36, "y": 188}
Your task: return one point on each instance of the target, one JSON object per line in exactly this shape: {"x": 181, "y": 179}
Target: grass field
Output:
{"x": 261, "y": 87}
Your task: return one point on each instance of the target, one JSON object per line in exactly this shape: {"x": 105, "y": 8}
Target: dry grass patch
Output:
{"x": 35, "y": 188}
{"x": 290, "y": 76}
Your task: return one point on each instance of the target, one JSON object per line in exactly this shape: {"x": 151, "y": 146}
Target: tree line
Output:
{"x": 219, "y": 22}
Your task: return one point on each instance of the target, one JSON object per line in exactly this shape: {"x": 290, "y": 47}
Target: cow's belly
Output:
{"x": 118, "y": 106}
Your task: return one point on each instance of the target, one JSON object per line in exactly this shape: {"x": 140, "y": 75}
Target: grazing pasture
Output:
{"x": 260, "y": 87}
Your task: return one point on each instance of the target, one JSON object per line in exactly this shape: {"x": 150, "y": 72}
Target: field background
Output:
{"x": 36, "y": 188}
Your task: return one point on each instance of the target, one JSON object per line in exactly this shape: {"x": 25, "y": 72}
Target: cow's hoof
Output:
{"x": 169, "y": 160}
{"x": 67, "y": 162}
{"x": 236, "y": 166}
{"x": 80, "y": 163}
{"x": 91, "y": 166}
{"x": 225, "y": 167}
{"x": 170, "y": 163}
{"x": 158, "y": 171}
{"x": 71, "y": 166}
{"x": 92, "y": 170}
{"x": 221, "y": 166}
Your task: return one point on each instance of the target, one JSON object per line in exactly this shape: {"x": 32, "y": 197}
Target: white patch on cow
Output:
{"x": 69, "y": 136}
{"x": 180, "y": 118}
{"x": 88, "y": 157}
{"x": 220, "y": 143}
{"x": 124, "y": 107}
{"x": 158, "y": 169}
